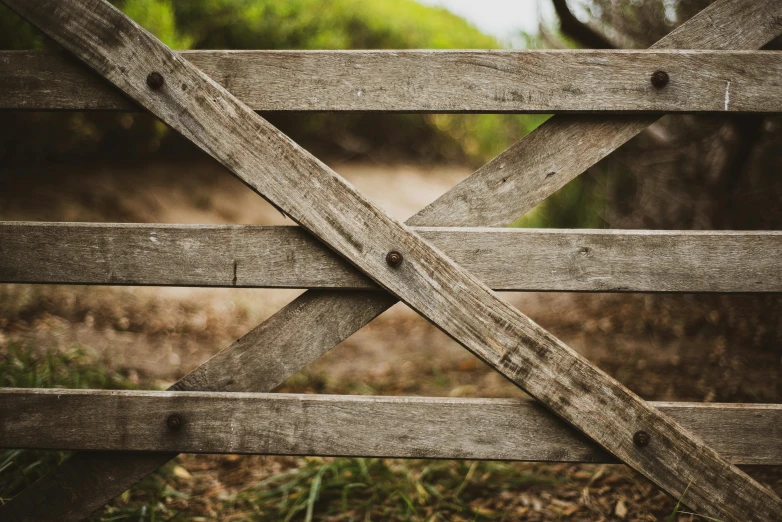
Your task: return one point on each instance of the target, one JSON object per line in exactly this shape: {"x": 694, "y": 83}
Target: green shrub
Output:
{"x": 297, "y": 24}
{"x": 270, "y": 24}
{"x": 315, "y": 24}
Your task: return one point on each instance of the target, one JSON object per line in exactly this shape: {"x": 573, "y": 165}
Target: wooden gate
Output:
{"x": 358, "y": 261}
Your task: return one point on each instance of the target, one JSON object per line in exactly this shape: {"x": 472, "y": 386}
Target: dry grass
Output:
{"x": 713, "y": 348}
{"x": 232, "y": 487}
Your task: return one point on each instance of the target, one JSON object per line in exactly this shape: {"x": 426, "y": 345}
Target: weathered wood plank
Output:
{"x": 567, "y": 145}
{"x": 357, "y": 426}
{"x": 432, "y": 81}
{"x": 429, "y": 282}
{"x": 275, "y": 350}
{"x": 498, "y": 193}
{"x": 289, "y": 257}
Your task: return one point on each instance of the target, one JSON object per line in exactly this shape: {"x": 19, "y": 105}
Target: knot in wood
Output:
{"x": 155, "y": 80}
{"x": 641, "y": 438}
{"x": 660, "y": 79}
{"x": 394, "y": 259}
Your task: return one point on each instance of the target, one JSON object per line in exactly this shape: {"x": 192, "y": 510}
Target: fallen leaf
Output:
{"x": 620, "y": 510}
{"x": 465, "y": 390}
{"x": 180, "y": 472}
{"x": 468, "y": 365}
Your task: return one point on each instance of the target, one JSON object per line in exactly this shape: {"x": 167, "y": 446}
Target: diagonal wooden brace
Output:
{"x": 426, "y": 280}
{"x": 273, "y": 351}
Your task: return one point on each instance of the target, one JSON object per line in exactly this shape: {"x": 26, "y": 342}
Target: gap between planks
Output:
{"x": 715, "y": 27}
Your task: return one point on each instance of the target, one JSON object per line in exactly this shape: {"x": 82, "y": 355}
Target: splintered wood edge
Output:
{"x": 561, "y": 159}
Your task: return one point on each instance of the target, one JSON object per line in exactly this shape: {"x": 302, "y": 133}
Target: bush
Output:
{"x": 270, "y": 24}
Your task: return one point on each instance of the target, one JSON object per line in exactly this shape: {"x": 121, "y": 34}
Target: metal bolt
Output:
{"x": 641, "y": 438}
{"x": 174, "y": 422}
{"x": 155, "y": 80}
{"x": 394, "y": 258}
{"x": 660, "y": 79}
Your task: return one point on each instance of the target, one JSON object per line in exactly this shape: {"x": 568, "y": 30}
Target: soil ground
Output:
{"x": 664, "y": 347}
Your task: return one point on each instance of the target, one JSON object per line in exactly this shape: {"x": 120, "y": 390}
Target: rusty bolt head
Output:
{"x": 155, "y": 80}
{"x": 174, "y": 422}
{"x": 641, "y": 438}
{"x": 394, "y": 259}
{"x": 660, "y": 79}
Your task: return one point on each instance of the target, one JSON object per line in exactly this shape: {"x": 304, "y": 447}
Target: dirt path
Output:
{"x": 664, "y": 347}
{"x": 162, "y": 333}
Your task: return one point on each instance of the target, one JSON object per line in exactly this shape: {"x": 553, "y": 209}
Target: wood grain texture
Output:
{"x": 429, "y": 282}
{"x": 356, "y": 426}
{"x": 567, "y": 145}
{"x": 275, "y": 350}
{"x": 289, "y": 257}
{"x": 495, "y": 195}
{"x": 433, "y": 81}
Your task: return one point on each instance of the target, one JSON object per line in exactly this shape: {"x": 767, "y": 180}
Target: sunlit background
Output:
{"x": 506, "y": 20}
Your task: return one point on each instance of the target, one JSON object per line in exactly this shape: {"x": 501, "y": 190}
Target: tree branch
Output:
{"x": 577, "y": 30}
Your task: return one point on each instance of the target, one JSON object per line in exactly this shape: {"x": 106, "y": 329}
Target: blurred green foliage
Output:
{"x": 319, "y": 24}
{"x": 293, "y": 24}
{"x": 157, "y": 16}
{"x": 24, "y": 367}
{"x": 296, "y": 24}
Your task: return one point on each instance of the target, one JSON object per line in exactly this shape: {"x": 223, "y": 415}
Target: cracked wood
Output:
{"x": 430, "y": 283}
{"x": 559, "y": 150}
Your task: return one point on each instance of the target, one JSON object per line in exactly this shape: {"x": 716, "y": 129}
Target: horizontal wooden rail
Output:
{"x": 420, "y": 427}
{"x": 432, "y": 81}
{"x": 289, "y": 257}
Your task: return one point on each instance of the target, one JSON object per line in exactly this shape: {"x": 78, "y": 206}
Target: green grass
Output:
{"x": 677, "y": 510}
{"x": 353, "y": 489}
{"x": 338, "y": 488}
{"x": 22, "y": 367}
{"x": 677, "y": 507}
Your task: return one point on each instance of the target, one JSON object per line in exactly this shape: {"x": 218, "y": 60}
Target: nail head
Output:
{"x": 174, "y": 422}
{"x": 394, "y": 258}
{"x": 641, "y": 438}
{"x": 155, "y": 80}
{"x": 660, "y": 79}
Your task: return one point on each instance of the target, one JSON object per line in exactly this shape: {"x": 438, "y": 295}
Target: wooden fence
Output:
{"x": 357, "y": 261}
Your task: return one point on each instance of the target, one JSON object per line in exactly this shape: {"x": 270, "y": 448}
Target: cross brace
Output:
{"x": 426, "y": 280}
